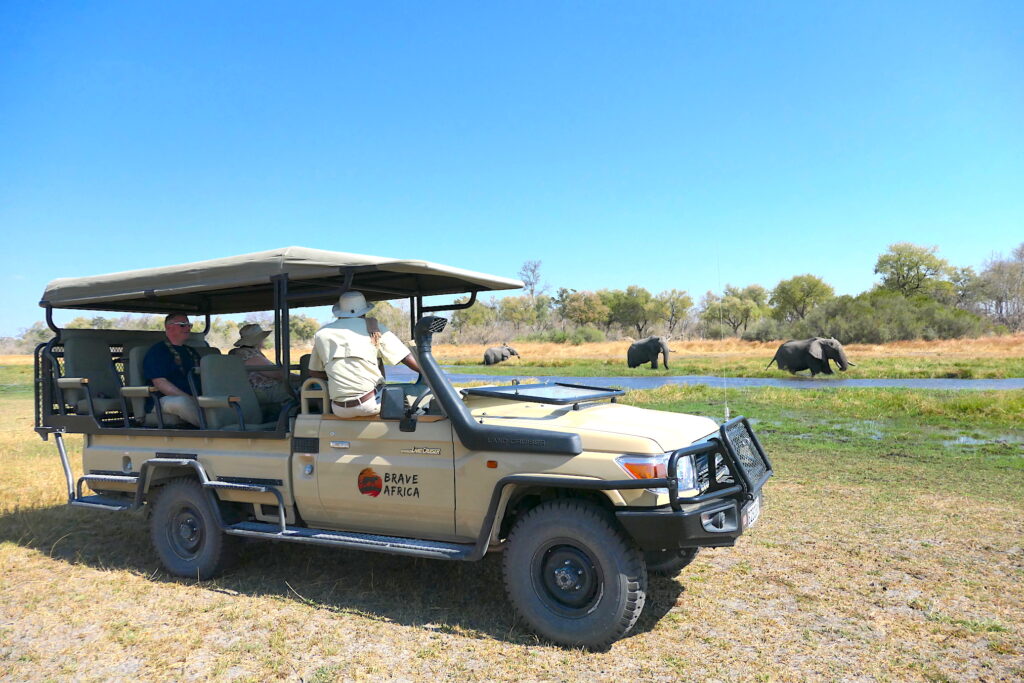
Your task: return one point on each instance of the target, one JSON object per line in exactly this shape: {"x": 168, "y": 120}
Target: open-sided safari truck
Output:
{"x": 583, "y": 495}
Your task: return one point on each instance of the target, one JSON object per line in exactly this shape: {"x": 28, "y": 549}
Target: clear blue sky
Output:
{"x": 618, "y": 143}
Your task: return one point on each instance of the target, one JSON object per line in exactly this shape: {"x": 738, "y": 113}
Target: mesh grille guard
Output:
{"x": 746, "y": 452}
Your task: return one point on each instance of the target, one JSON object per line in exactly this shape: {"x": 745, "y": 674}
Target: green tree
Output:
{"x": 675, "y": 308}
{"x": 584, "y": 308}
{"x": 394, "y": 318}
{"x": 477, "y": 315}
{"x": 517, "y": 310}
{"x": 911, "y": 269}
{"x": 301, "y": 328}
{"x": 635, "y": 309}
{"x": 35, "y": 335}
{"x": 736, "y": 309}
{"x": 794, "y": 298}
{"x": 1001, "y": 292}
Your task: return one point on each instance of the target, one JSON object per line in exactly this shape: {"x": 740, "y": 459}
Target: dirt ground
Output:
{"x": 875, "y": 559}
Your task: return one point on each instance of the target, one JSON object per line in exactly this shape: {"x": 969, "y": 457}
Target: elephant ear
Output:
{"x": 815, "y": 349}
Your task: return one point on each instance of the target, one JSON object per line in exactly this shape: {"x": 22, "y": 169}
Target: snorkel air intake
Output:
{"x": 471, "y": 433}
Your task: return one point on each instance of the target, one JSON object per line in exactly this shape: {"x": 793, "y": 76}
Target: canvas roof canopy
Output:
{"x": 240, "y": 284}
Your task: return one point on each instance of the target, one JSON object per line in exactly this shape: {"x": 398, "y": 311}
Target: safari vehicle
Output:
{"x": 583, "y": 495}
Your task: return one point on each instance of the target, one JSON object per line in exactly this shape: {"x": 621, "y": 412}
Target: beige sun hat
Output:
{"x": 251, "y": 335}
{"x": 351, "y": 304}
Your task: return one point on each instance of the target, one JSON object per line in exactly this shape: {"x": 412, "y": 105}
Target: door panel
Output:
{"x": 373, "y": 477}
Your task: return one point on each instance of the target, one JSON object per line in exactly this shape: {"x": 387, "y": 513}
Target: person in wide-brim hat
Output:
{"x": 350, "y": 353}
{"x": 268, "y": 384}
{"x": 351, "y": 304}
{"x": 252, "y": 335}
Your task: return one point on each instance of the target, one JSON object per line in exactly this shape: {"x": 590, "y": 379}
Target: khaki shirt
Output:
{"x": 343, "y": 349}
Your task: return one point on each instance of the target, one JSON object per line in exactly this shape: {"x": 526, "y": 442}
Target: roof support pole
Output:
{"x": 49, "y": 321}
{"x": 282, "y": 338}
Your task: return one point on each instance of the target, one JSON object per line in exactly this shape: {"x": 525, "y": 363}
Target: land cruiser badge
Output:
{"x": 420, "y": 450}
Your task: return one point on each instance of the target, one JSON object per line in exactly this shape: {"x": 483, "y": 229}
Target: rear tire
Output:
{"x": 573, "y": 575}
{"x": 186, "y": 533}
{"x": 669, "y": 562}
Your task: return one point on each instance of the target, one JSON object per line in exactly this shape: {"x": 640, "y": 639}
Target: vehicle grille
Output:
{"x": 722, "y": 474}
{"x": 747, "y": 455}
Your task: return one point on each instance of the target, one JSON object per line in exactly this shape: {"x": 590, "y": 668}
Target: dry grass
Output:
{"x": 876, "y": 559}
{"x": 1008, "y": 346}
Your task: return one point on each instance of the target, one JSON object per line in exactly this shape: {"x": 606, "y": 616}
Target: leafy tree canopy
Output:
{"x": 794, "y": 298}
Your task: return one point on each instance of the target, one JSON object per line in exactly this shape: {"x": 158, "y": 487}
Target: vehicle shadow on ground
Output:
{"x": 463, "y": 597}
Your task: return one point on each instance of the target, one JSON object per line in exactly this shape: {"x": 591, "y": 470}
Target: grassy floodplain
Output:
{"x": 890, "y": 548}
{"x": 985, "y": 358}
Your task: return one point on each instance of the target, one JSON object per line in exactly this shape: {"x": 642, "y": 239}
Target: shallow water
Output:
{"x": 403, "y": 374}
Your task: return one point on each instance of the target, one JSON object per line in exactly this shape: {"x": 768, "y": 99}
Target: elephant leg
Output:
{"x": 654, "y": 363}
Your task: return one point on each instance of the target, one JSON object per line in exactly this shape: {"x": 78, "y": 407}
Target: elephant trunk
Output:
{"x": 842, "y": 360}
{"x": 664, "y": 352}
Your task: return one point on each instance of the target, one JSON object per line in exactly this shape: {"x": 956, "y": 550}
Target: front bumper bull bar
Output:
{"x": 720, "y": 513}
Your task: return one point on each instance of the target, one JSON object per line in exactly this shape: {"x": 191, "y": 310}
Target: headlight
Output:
{"x": 656, "y": 467}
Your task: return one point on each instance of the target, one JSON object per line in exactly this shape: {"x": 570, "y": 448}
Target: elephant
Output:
{"x": 646, "y": 351}
{"x": 497, "y": 354}
{"x": 811, "y": 354}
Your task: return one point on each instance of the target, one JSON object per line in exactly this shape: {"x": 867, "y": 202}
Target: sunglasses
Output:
{"x": 181, "y": 324}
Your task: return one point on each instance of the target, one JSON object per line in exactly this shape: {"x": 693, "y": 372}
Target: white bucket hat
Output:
{"x": 352, "y": 304}
{"x": 251, "y": 335}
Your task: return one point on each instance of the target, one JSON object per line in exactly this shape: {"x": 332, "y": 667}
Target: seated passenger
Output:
{"x": 268, "y": 384}
{"x": 345, "y": 353}
{"x": 167, "y": 365}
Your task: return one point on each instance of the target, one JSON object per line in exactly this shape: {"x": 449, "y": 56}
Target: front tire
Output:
{"x": 573, "y": 575}
{"x": 186, "y": 533}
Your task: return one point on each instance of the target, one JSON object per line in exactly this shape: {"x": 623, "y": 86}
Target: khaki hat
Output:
{"x": 352, "y": 304}
{"x": 251, "y": 335}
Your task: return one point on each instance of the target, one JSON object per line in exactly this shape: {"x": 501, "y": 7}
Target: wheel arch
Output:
{"x": 524, "y": 497}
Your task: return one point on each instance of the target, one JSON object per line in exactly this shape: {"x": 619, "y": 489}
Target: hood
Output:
{"x": 609, "y": 427}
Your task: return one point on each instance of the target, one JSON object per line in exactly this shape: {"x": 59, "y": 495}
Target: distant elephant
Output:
{"x": 497, "y": 354}
{"x": 646, "y": 351}
{"x": 810, "y": 354}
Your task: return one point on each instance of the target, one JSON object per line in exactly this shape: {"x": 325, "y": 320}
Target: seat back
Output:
{"x": 90, "y": 357}
{"x": 136, "y": 356}
{"x": 226, "y": 376}
{"x": 206, "y": 350}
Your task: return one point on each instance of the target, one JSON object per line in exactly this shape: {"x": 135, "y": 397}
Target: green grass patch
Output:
{"x": 15, "y": 379}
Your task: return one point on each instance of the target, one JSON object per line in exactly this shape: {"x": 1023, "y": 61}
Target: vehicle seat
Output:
{"x": 136, "y": 356}
{"x": 226, "y": 376}
{"x": 89, "y": 357}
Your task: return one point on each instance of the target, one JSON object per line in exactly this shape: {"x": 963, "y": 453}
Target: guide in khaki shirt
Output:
{"x": 346, "y": 352}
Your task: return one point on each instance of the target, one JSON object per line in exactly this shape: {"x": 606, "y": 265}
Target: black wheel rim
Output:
{"x": 185, "y": 533}
{"x": 567, "y": 578}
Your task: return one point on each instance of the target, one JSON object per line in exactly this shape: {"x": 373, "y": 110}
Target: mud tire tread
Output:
{"x": 578, "y": 519}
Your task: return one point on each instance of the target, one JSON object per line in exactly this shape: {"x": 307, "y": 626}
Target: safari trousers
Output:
{"x": 183, "y": 407}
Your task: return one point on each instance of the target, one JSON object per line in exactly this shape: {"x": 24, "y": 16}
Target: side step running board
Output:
{"x": 394, "y": 545}
{"x": 102, "y": 503}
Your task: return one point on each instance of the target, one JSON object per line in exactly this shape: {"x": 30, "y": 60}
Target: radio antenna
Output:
{"x": 721, "y": 328}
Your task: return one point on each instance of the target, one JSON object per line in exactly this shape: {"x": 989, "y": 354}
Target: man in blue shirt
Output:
{"x": 167, "y": 366}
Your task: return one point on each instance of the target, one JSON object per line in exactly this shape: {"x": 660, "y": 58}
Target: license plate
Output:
{"x": 752, "y": 512}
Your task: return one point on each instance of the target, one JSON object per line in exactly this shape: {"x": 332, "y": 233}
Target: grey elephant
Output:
{"x": 647, "y": 351}
{"x": 497, "y": 354}
{"x": 811, "y": 354}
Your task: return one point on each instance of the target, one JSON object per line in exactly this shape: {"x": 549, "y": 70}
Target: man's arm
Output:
{"x": 165, "y": 387}
{"x": 410, "y": 362}
{"x": 318, "y": 374}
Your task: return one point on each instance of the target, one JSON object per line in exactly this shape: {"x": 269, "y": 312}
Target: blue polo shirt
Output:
{"x": 159, "y": 362}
